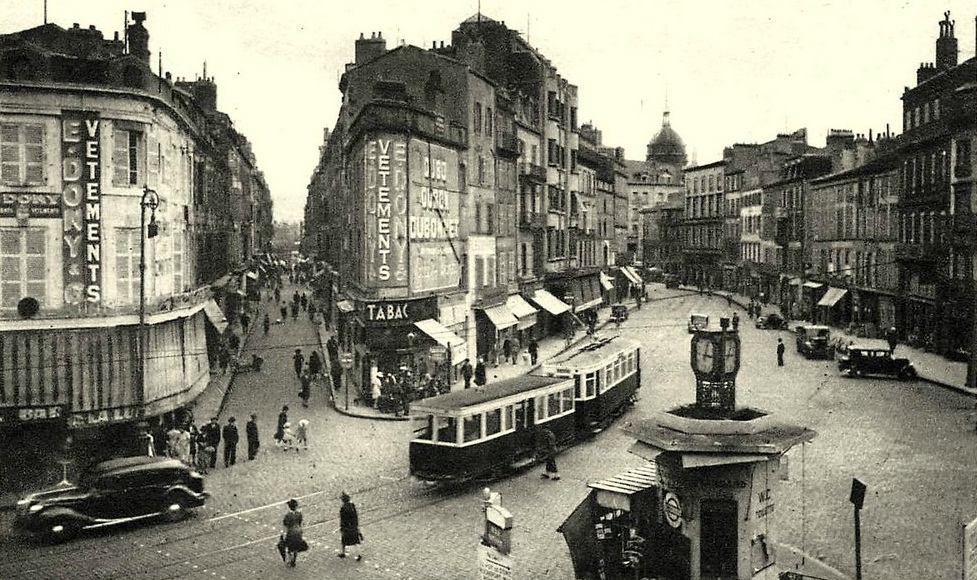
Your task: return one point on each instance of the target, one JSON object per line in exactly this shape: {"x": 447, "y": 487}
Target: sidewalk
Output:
{"x": 931, "y": 367}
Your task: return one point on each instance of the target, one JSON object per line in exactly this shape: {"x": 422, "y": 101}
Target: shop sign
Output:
{"x": 29, "y": 414}
{"x": 385, "y": 204}
{"x": 493, "y": 565}
{"x": 103, "y": 416}
{"x": 34, "y": 205}
{"x": 81, "y": 206}
{"x": 396, "y": 312}
{"x": 672, "y": 508}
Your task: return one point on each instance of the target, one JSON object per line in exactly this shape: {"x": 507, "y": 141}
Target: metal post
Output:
{"x": 858, "y": 545}
{"x": 150, "y": 199}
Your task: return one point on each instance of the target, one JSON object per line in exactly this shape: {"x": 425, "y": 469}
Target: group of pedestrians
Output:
{"x": 291, "y": 541}
{"x": 288, "y": 438}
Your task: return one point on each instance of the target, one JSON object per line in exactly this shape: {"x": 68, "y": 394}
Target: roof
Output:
{"x": 590, "y": 354}
{"x": 478, "y": 395}
{"x": 774, "y": 440}
{"x": 135, "y": 463}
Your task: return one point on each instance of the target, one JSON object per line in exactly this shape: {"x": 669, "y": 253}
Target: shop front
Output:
{"x": 496, "y": 330}
{"x": 834, "y": 307}
{"x": 553, "y": 311}
{"x": 526, "y": 315}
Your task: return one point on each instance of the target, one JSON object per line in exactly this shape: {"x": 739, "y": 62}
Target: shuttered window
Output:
{"x": 23, "y": 266}
{"x": 22, "y": 154}
{"x": 126, "y": 155}
{"x": 127, "y": 264}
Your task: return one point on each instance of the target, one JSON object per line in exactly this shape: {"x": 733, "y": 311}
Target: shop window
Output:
{"x": 472, "y": 427}
{"x": 447, "y": 429}
{"x": 493, "y": 422}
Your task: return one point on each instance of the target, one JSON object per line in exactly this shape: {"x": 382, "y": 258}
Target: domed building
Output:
{"x": 667, "y": 147}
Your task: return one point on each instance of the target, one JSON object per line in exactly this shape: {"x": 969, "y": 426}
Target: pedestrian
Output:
{"x": 303, "y": 301}
{"x": 206, "y": 456}
{"x": 729, "y": 299}
{"x": 306, "y": 380}
{"x": 278, "y": 294}
{"x": 780, "y": 352}
{"x": 284, "y": 312}
{"x": 506, "y": 349}
{"x": 245, "y": 321}
{"x": 533, "y": 351}
{"x": 288, "y": 436}
{"x": 892, "y": 338}
{"x": 266, "y": 323}
{"x": 349, "y": 527}
{"x": 292, "y": 533}
{"x": 212, "y": 437}
{"x": 480, "y": 379}
{"x": 298, "y": 360}
{"x": 467, "y": 372}
{"x": 195, "y": 442}
{"x": 546, "y": 451}
{"x": 302, "y": 434}
{"x": 315, "y": 365}
{"x": 183, "y": 446}
{"x": 280, "y": 429}
{"x": 251, "y": 431}
{"x": 224, "y": 359}
{"x": 230, "y": 437}
{"x": 295, "y": 298}
{"x": 172, "y": 441}
{"x": 736, "y": 321}
{"x": 515, "y": 350}
{"x": 295, "y": 310}
{"x": 312, "y": 311}
{"x": 376, "y": 391}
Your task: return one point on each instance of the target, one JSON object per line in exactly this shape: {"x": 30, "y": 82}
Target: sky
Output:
{"x": 732, "y": 71}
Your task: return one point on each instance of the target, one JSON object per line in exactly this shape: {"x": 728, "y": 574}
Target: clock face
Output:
{"x": 704, "y": 355}
{"x": 731, "y": 356}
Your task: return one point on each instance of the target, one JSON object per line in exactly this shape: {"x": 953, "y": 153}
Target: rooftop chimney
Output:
{"x": 946, "y": 44}
{"x": 139, "y": 37}
{"x": 367, "y": 49}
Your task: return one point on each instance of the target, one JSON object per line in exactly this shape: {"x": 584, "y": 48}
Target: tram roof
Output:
{"x": 591, "y": 354}
{"x": 491, "y": 392}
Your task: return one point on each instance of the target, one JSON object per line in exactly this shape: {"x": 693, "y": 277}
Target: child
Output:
{"x": 204, "y": 454}
{"x": 288, "y": 437}
{"x": 302, "y": 435}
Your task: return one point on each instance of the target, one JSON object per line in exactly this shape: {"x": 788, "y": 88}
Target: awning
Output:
{"x": 832, "y": 296}
{"x": 631, "y": 275}
{"x": 550, "y": 303}
{"x": 606, "y": 281}
{"x": 345, "y": 306}
{"x": 814, "y": 285}
{"x": 221, "y": 282}
{"x": 443, "y": 336}
{"x": 522, "y": 310}
{"x": 253, "y": 275}
{"x": 616, "y": 491}
{"x": 215, "y": 315}
{"x": 501, "y": 317}
{"x": 795, "y": 281}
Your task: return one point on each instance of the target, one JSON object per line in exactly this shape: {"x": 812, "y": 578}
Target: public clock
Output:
{"x": 731, "y": 354}
{"x": 703, "y": 354}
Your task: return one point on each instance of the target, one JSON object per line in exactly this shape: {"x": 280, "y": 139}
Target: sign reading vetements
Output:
{"x": 81, "y": 206}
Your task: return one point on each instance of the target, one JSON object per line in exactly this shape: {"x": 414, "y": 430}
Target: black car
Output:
{"x": 772, "y": 321}
{"x": 814, "y": 341}
{"x": 861, "y": 360}
{"x": 113, "y": 492}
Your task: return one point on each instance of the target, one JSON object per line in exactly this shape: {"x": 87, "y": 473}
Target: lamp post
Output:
{"x": 150, "y": 199}
{"x": 346, "y": 363}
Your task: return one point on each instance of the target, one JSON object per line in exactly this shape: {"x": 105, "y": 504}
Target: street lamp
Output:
{"x": 150, "y": 199}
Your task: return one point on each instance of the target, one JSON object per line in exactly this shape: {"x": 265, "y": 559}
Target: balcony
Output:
{"x": 532, "y": 172}
{"x": 399, "y": 117}
{"x": 507, "y": 144}
{"x": 918, "y": 252}
{"x": 533, "y": 220}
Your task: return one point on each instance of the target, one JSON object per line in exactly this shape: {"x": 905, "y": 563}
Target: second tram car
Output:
{"x": 606, "y": 374}
{"x": 465, "y": 434}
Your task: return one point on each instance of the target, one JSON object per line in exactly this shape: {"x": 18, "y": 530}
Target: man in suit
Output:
{"x": 230, "y": 436}
{"x": 211, "y": 433}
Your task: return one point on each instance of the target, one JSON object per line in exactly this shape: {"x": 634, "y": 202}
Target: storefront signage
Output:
{"x": 764, "y": 504}
{"x": 433, "y": 266}
{"x": 672, "y": 508}
{"x": 397, "y": 312}
{"x": 37, "y": 205}
{"x": 102, "y": 416}
{"x": 385, "y": 195}
{"x": 28, "y": 414}
{"x": 81, "y": 206}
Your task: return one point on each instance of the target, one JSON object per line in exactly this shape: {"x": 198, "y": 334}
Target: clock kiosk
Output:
{"x": 719, "y": 471}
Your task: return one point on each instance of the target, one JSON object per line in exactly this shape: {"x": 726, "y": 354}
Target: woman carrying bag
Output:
{"x": 290, "y": 543}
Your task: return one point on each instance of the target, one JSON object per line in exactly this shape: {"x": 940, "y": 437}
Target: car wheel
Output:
{"x": 907, "y": 374}
{"x": 174, "y": 508}
{"x": 60, "y": 530}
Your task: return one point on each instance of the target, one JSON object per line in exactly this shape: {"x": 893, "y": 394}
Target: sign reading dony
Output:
{"x": 81, "y": 206}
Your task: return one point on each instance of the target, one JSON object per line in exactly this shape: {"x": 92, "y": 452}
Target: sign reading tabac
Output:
{"x": 81, "y": 206}
{"x": 385, "y": 207}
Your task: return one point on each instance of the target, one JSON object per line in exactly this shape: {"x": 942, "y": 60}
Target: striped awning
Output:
{"x": 814, "y": 285}
{"x": 606, "y": 281}
{"x": 631, "y": 275}
{"x": 550, "y": 303}
{"x": 616, "y": 492}
{"x": 215, "y": 315}
{"x": 832, "y": 296}
{"x": 501, "y": 317}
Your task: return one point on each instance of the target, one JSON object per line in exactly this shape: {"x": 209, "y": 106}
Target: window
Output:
{"x": 520, "y": 415}
{"x": 178, "y": 262}
{"x": 422, "y": 427}
{"x": 22, "y": 153}
{"x": 22, "y": 266}
{"x": 489, "y": 119}
{"x": 490, "y": 218}
{"x": 553, "y": 404}
{"x": 507, "y": 418}
{"x": 481, "y": 170}
{"x": 566, "y": 401}
{"x": 472, "y": 427}
{"x": 127, "y": 264}
{"x": 126, "y": 155}
{"x": 447, "y": 429}
{"x": 962, "y": 163}
{"x": 493, "y": 422}
{"x": 591, "y": 384}
{"x": 478, "y": 118}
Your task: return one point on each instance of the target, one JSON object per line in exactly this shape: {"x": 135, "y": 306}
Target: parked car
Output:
{"x": 698, "y": 322}
{"x": 814, "y": 341}
{"x": 113, "y": 492}
{"x": 772, "y": 321}
{"x": 875, "y": 360}
{"x": 671, "y": 281}
{"x": 619, "y": 313}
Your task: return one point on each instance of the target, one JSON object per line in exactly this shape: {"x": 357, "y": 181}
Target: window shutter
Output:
{"x": 120, "y": 157}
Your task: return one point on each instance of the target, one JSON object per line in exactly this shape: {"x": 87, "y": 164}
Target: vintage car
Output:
{"x": 698, "y": 322}
{"x": 814, "y": 341}
{"x": 671, "y": 281}
{"x": 875, "y": 360}
{"x": 619, "y": 313}
{"x": 772, "y": 321}
{"x": 113, "y": 492}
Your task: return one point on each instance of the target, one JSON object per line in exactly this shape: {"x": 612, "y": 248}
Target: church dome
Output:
{"x": 667, "y": 146}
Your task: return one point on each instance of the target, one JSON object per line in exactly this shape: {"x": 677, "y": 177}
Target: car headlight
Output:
{"x": 35, "y": 508}
{"x": 23, "y": 502}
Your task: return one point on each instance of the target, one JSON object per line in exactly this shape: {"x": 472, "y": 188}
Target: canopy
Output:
{"x": 812, "y": 285}
{"x": 606, "y": 281}
{"x": 832, "y": 296}
{"x": 215, "y": 315}
{"x": 501, "y": 317}
{"x": 795, "y": 281}
{"x": 631, "y": 275}
{"x": 521, "y": 310}
{"x": 345, "y": 306}
{"x": 443, "y": 336}
{"x": 550, "y": 303}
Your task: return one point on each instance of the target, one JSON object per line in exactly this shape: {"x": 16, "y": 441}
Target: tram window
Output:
{"x": 493, "y": 422}
{"x": 423, "y": 427}
{"x": 507, "y": 418}
{"x": 553, "y": 404}
{"x": 567, "y": 400}
{"x": 472, "y": 427}
{"x": 447, "y": 429}
{"x": 576, "y": 386}
{"x": 591, "y": 384}
{"x": 520, "y": 414}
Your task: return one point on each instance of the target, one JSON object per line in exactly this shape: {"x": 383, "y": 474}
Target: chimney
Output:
{"x": 367, "y": 49}
{"x": 139, "y": 37}
{"x": 946, "y": 44}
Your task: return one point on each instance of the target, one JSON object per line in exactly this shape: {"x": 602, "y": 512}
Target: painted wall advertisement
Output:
{"x": 81, "y": 206}
{"x": 385, "y": 208}
{"x": 435, "y": 251}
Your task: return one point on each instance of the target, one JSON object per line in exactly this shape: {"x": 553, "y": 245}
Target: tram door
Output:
{"x": 525, "y": 419}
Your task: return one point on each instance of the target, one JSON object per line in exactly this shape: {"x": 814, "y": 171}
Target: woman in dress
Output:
{"x": 349, "y": 526}
{"x": 292, "y": 533}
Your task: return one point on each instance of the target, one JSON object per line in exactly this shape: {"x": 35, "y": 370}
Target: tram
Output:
{"x": 606, "y": 374}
